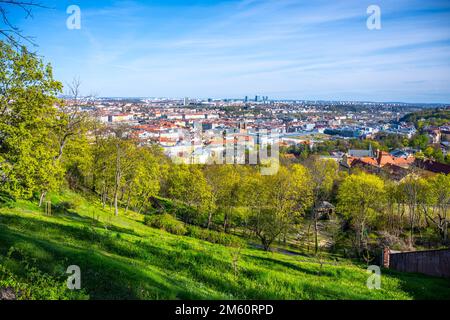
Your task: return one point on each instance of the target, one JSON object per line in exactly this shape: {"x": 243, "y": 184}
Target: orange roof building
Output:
{"x": 381, "y": 159}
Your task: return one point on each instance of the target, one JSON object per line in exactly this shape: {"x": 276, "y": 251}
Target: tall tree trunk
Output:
{"x": 209, "y": 220}
{"x": 308, "y": 236}
{"x": 128, "y": 199}
{"x": 116, "y": 195}
{"x": 225, "y": 222}
{"x": 103, "y": 200}
{"x": 445, "y": 231}
{"x": 411, "y": 226}
{"x": 42, "y": 198}
{"x": 117, "y": 182}
{"x": 316, "y": 240}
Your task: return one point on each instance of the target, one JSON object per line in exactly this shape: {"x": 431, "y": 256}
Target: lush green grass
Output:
{"x": 122, "y": 258}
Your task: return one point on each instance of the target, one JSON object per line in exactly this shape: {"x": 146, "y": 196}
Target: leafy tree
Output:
{"x": 226, "y": 184}
{"x": 78, "y": 161}
{"x": 143, "y": 178}
{"x": 395, "y": 207}
{"x": 322, "y": 176}
{"x": 187, "y": 183}
{"x": 29, "y": 150}
{"x": 124, "y": 152}
{"x": 419, "y": 155}
{"x": 277, "y": 201}
{"x": 429, "y": 151}
{"x": 447, "y": 158}
{"x": 419, "y": 141}
{"x": 438, "y": 155}
{"x": 114, "y": 159}
{"x": 440, "y": 194}
{"x": 414, "y": 190}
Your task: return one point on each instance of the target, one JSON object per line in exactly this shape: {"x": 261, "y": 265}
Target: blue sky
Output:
{"x": 280, "y": 48}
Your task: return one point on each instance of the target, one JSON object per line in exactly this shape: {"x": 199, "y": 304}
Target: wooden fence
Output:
{"x": 430, "y": 262}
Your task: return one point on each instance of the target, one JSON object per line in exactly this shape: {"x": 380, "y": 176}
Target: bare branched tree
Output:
{"x": 76, "y": 122}
{"x": 75, "y": 118}
{"x": 73, "y": 88}
{"x": 10, "y": 31}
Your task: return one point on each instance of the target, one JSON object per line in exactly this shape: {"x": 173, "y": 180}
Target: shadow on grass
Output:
{"x": 294, "y": 266}
{"x": 84, "y": 234}
{"x": 74, "y": 216}
{"x": 103, "y": 276}
{"x": 115, "y": 268}
{"x": 420, "y": 286}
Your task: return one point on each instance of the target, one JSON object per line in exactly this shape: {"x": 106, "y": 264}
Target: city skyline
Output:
{"x": 282, "y": 49}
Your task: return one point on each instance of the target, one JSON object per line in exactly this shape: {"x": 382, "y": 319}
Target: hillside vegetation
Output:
{"x": 434, "y": 117}
{"x": 186, "y": 244}
{"x": 122, "y": 258}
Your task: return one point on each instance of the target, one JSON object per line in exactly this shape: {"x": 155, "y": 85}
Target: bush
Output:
{"x": 214, "y": 236}
{"x": 31, "y": 282}
{"x": 166, "y": 222}
{"x": 63, "y": 207}
{"x": 177, "y": 208}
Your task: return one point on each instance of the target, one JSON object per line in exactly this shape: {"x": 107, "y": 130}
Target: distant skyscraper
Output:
{"x": 256, "y": 98}
{"x": 246, "y": 99}
{"x": 186, "y": 101}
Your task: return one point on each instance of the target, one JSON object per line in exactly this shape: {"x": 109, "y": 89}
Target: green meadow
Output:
{"x": 122, "y": 258}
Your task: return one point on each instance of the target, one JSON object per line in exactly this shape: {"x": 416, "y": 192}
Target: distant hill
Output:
{"x": 433, "y": 117}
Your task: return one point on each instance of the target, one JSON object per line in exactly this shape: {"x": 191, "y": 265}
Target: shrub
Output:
{"x": 32, "y": 283}
{"x": 166, "y": 222}
{"x": 177, "y": 208}
{"x": 214, "y": 236}
{"x": 63, "y": 207}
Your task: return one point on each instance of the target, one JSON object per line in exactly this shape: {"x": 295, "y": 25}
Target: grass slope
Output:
{"x": 121, "y": 258}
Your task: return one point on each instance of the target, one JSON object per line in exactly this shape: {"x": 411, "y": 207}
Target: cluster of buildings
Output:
{"x": 396, "y": 164}
{"x": 198, "y": 130}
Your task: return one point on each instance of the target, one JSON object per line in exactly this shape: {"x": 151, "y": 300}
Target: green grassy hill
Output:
{"x": 121, "y": 258}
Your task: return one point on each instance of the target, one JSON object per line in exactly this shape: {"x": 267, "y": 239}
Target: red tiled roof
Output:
{"x": 383, "y": 158}
{"x": 433, "y": 166}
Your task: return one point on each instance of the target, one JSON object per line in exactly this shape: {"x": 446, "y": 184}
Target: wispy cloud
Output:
{"x": 288, "y": 48}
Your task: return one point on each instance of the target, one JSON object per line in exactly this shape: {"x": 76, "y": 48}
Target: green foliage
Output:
{"x": 146, "y": 263}
{"x": 214, "y": 236}
{"x": 277, "y": 201}
{"x": 78, "y": 161}
{"x": 123, "y": 172}
{"x": 361, "y": 200}
{"x": 63, "y": 207}
{"x": 419, "y": 141}
{"x": 28, "y": 116}
{"x": 435, "y": 199}
{"x": 303, "y": 152}
{"x": 31, "y": 283}
{"x": 433, "y": 117}
{"x": 6, "y": 200}
{"x": 322, "y": 174}
{"x": 166, "y": 222}
{"x": 391, "y": 141}
{"x": 434, "y": 153}
{"x": 226, "y": 183}
{"x": 187, "y": 183}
